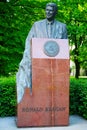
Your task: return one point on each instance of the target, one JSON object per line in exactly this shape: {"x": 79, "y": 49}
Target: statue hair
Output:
{"x": 53, "y": 5}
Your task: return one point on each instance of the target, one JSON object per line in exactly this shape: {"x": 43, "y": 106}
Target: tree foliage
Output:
{"x": 77, "y": 29}
{"x": 74, "y": 14}
{"x": 17, "y": 17}
{"x": 16, "y": 20}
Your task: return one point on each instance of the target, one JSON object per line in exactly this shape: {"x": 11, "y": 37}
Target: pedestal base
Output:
{"x": 49, "y": 103}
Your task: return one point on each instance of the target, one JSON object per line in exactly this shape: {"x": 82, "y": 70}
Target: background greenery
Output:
{"x": 78, "y": 97}
{"x": 7, "y": 96}
{"x": 16, "y": 19}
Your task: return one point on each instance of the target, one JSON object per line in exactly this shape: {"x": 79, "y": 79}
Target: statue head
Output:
{"x": 51, "y": 11}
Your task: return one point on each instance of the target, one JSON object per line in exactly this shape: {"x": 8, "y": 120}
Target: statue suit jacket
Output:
{"x": 38, "y": 30}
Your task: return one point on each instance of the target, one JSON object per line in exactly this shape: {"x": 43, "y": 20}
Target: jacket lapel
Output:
{"x": 56, "y": 30}
{"x": 44, "y": 28}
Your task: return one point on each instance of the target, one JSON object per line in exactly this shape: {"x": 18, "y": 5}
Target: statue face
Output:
{"x": 50, "y": 13}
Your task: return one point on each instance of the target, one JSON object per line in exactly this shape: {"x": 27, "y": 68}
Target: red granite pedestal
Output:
{"x": 49, "y": 103}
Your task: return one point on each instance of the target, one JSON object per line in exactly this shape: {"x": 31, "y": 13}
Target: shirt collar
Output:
{"x": 50, "y": 22}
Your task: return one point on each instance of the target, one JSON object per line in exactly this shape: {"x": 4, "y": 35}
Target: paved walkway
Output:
{"x": 76, "y": 123}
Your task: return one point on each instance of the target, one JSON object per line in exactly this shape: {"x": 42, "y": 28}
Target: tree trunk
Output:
{"x": 77, "y": 65}
{"x": 76, "y": 53}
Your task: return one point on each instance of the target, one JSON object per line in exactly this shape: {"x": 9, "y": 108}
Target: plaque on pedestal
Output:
{"x": 49, "y": 103}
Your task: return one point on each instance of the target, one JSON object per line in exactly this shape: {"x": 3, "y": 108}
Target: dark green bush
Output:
{"x": 82, "y": 109}
{"x": 78, "y": 97}
{"x": 7, "y": 96}
{"x": 73, "y": 96}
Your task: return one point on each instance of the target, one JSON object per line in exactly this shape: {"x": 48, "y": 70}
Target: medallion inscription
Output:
{"x": 51, "y": 48}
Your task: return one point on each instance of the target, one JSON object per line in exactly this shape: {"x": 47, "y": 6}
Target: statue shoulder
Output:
{"x": 40, "y": 22}
{"x": 60, "y": 23}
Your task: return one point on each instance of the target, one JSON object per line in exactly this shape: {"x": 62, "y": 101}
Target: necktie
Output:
{"x": 49, "y": 30}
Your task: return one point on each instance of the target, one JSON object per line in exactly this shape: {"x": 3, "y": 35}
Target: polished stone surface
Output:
{"x": 48, "y": 104}
{"x": 38, "y": 48}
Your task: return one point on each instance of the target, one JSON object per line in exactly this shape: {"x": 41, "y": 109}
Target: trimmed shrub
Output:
{"x": 78, "y": 97}
{"x": 7, "y": 96}
{"x": 74, "y": 96}
{"x": 82, "y": 108}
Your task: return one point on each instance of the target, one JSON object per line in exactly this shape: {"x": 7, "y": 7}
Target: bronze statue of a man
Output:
{"x": 47, "y": 28}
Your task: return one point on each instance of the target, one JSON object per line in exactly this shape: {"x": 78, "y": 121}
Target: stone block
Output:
{"x": 49, "y": 103}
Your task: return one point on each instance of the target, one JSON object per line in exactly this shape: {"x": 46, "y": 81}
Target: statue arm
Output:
{"x": 23, "y": 77}
{"x": 65, "y": 36}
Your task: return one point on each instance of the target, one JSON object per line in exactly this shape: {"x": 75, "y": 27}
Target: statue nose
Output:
{"x": 48, "y": 11}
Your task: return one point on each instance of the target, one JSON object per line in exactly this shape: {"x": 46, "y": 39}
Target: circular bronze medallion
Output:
{"x": 51, "y": 48}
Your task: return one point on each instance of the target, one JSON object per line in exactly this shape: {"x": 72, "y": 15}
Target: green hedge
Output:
{"x": 78, "y": 96}
{"x": 7, "y": 96}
